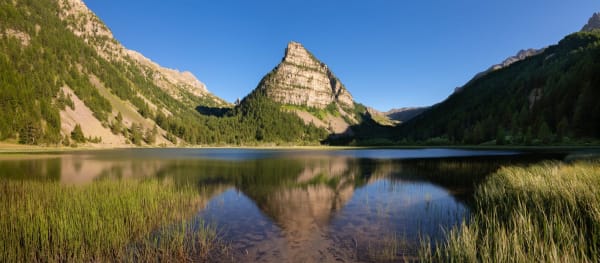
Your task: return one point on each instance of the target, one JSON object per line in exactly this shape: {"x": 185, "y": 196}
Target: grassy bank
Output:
{"x": 548, "y": 212}
{"x": 104, "y": 221}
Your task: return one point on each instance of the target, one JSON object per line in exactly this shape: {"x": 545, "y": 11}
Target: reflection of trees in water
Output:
{"x": 31, "y": 169}
{"x": 300, "y": 195}
{"x": 262, "y": 178}
{"x": 460, "y": 176}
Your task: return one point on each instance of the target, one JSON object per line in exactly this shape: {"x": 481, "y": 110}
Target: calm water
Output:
{"x": 299, "y": 206}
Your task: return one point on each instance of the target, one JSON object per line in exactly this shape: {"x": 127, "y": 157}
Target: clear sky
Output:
{"x": 388, "y": 53}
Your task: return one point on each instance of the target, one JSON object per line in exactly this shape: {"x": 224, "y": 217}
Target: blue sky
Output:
{"x": 387, "y": 53}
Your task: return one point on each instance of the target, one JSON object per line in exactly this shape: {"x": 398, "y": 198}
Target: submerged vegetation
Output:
{"x": 548, "y": 212}
{"x": 105, "y": 221}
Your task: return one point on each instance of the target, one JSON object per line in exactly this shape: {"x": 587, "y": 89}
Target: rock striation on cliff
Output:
{"x": 301, "y": 79}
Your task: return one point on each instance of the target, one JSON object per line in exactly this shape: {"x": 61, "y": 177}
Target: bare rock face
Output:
{"x": 301, "y": 79}
{"x": 593, "y": 23}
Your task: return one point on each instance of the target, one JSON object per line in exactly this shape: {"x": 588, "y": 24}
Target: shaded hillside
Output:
{"x": 546, "y": 98}
{"x": 405, "y": 114}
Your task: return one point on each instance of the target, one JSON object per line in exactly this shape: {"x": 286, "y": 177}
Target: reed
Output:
{"x": 548, "y": 212}
{"x": 108, "y": 220}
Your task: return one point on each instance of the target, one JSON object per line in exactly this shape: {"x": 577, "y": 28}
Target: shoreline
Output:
{"x": 12, "y": 148}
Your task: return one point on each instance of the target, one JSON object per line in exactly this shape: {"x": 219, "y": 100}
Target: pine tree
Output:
{"x": 77, "y": 134}
{"x": 150, "y": 136}
{"x": 136, "y": 134}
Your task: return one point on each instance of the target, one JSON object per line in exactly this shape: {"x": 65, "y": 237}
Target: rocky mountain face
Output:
{"x": 306, "y": 86}
{"x": 85, "y": 24}
{"x": 593, "y": 23}
{"x": 301, "y": 79}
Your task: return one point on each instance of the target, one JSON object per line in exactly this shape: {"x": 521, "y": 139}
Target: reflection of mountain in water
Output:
{"x": 300, "y": 196}
{"x": 311, "y": 198}
{"x": 304, "y": 206}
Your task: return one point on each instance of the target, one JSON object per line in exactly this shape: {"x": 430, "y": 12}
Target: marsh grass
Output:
{"x": 547, "y": 212}
{"x": 390, "y": 248}
{"x": 108, "y": 220}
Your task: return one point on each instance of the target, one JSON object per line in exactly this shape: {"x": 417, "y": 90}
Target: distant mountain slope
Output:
{"x": 404, "y": 114}
{"x": 394, "y": 117}
{"x": 548, "y": 97}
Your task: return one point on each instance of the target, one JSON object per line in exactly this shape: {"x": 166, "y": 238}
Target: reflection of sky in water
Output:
{"x": 253, "y": 154}
{"x": 403, "y": 209}
{"x": 296, "y": 206}
{"x": 380, "y": 209}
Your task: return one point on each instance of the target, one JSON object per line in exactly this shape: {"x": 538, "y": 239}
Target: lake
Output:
{"x": 299, "y": 205}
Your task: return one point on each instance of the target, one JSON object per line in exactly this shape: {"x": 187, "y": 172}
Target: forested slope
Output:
{"x": 547, "y": 98}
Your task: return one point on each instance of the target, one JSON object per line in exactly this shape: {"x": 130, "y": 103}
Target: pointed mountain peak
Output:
{"x": 301, "y": 79}
{"x": 593, "y": 23}
{"x": 294, "y": 46}
{"x": 297, "y": 54}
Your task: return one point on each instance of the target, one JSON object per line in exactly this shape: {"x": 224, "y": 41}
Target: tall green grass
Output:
{"x": 547, "y": 212}
{"x": 108, "y": 220}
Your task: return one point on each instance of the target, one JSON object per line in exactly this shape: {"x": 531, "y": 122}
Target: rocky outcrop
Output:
{"x": 593, "y": 23}
{"x": 85, "y": 24}
{"x": 22, "y": 37}
{"x": 300, "y": 79}
{"x": 521, "y": 55}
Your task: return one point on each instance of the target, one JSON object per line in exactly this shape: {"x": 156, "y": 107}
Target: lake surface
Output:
{"x": 299, "y": 205}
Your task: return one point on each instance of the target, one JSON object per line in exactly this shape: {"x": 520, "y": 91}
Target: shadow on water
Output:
{"x": 300, "y": 205}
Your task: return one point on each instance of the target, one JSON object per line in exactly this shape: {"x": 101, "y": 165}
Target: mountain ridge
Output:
{"x": 87, "y": 25}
